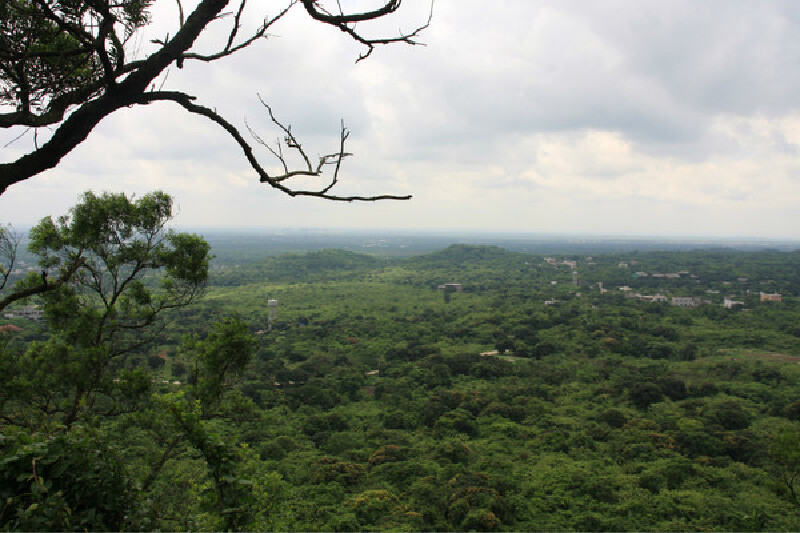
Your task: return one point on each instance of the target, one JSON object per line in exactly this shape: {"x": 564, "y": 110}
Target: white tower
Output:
{"x": 575, "y": 277}
{"x": 272, "y": 305}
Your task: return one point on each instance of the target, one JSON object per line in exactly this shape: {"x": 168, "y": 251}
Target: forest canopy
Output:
{"x": 367, "y": 397}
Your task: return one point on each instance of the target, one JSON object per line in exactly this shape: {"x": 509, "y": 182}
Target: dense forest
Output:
{"x": 469, "y": 388}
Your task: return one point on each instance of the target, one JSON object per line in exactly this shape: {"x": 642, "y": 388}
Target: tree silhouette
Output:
{"x": 64, "y": 65}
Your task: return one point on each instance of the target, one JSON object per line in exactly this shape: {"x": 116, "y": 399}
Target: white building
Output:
{"x": 729, "y": 304}
{"x": 685, "y": 301}
{"x": 31, "y": 312}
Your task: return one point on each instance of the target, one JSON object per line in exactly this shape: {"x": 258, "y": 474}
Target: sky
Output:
{"x": 622, "y": 117}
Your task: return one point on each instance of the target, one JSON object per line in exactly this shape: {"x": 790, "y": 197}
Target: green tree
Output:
{"x": 242, "y": 495}
{"x": 120, "y": 271}
{"x": 220, "y": 357}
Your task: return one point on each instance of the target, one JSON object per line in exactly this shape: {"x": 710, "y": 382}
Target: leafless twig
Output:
{"x": 280, "y": 181}
{"x": 348, "y": 24}
{"x": 230, "y": 47}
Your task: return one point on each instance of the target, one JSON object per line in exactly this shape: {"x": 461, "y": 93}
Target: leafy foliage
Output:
{"x": 68, "y": 481}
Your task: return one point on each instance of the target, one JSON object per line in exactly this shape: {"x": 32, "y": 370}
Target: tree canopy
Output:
{"x": 118, "y": 270}
{"x": 66, "y": 65}
{"x": 105, "y": 247}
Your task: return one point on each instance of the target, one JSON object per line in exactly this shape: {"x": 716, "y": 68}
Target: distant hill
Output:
{"x": 460, "y": 254}
{"x": 322, "y": 260}
{"x": 311, "y": 266}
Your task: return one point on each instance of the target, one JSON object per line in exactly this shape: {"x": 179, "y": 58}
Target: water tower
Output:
{"x": 272, "y": 306}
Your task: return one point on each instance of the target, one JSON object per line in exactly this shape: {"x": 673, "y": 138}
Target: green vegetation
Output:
{"x": 365, "y": 403}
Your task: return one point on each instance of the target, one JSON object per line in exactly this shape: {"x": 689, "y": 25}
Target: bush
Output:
{"x": 72, "y": 481}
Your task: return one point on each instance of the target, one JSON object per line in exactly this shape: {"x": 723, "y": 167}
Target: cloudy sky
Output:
{"x": 621, "y": 117}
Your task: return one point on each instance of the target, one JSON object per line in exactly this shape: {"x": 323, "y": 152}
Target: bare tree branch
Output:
{"x": 181, "y": 18}
{"x": 230, "y": 48}
{"x": 347, "y": 23}
{"x": 43, "y": 286}
{"x": 314, "y": 8}
{"x": 275, "y": 181}
{"x": 55, "y": 110}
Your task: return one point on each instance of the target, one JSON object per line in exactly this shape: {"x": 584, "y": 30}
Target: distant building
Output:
{"x": 272, "y": 307}
{"x": 685, "y": 301}
{"x": 775, "y": 297}
{"x": 729, "y": 304}
{"x": 10, "y": 328}
{"x": 31, "y": 312}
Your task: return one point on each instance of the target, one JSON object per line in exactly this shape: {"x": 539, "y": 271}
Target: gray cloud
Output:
{"x": 648, "y": 108}
{"x": 656, "y": 71}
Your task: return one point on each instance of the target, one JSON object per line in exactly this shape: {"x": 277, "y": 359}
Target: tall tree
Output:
{"x": 118, "y": 269}
{"x": 65, "y": 65}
